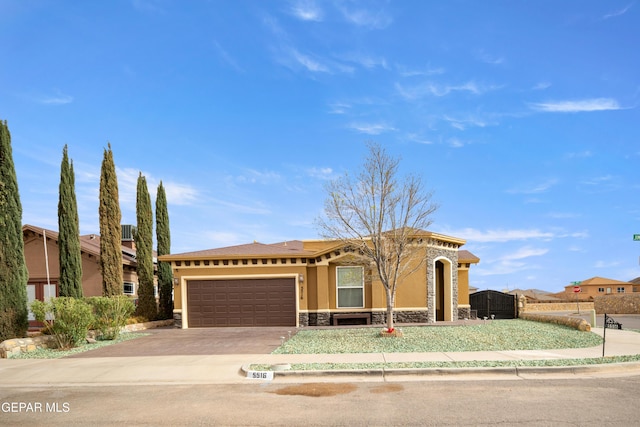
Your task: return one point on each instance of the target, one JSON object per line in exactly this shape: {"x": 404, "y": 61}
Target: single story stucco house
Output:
{"x": 313, "y": 283}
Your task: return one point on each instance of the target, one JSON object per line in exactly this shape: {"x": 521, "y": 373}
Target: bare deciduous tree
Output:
{"x": 379, "y": 216}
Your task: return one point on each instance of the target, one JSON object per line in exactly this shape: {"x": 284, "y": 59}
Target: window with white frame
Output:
{"x": 129, "y": 288}
{"x": 350, "y": 284}
{"x": 601, "y": 290}
{"x": 621, "y": 290}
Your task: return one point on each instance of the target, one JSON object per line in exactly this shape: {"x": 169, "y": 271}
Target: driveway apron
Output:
{"x": 197, "y": 341}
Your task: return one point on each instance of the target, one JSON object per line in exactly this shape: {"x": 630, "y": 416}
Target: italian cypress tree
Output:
{"x": 69, "y": 232}
{"x": 143, "y": 237}
{"x": 163, "y": 236}
{"x": 13, "y": 268}
{"x": 110, "y": 230}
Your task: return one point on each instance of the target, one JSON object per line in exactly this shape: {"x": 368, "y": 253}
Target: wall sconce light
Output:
{"x": 176, "y": 281}
{"x": 301, "y": 277}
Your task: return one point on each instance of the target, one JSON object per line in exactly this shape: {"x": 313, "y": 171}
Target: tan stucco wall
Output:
{"x": 35, "y": 259}
{"x": 463, "y": 286}
{"x": 318, "y": 291}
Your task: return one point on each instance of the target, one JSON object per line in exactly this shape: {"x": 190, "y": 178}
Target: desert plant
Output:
{"x": 110, "y": 315}
{"x": 67, "y": 318}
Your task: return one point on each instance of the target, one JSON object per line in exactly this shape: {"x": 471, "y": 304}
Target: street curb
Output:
{"x": 612, "y": 368}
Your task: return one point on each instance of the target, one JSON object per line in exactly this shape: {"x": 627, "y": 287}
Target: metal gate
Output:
{"x": 493, "y": 303}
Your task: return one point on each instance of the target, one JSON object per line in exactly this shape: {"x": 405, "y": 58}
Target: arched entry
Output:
{"x": 443, "y": 300}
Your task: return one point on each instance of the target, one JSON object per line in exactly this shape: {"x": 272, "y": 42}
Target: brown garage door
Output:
{"x": 243, "y": 302}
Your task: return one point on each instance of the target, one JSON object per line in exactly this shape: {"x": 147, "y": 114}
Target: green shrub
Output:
{"x": 110, "y": 314}
{"x": 68, "y": 319}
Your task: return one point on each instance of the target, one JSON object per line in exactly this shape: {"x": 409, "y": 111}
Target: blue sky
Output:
{"x": 521, "y": 116}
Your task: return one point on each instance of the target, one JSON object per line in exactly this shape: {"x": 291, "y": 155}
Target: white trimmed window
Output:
{"x": 129, "y": 288}
{"x": 350, "y": 284}
{"x": 621, "y": 290}
{"x": 601, "y": 290}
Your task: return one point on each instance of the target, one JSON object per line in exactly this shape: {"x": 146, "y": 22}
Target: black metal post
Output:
{"x": 604, "y": 333}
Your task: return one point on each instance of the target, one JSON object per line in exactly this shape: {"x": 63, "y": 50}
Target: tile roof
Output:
{"x": 600, "y": 281}
{"x": 288, "y": 248}
{"x": 466, "y": 256}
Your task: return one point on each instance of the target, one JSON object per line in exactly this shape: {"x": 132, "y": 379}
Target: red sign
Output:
{"x": 576, "y": 289}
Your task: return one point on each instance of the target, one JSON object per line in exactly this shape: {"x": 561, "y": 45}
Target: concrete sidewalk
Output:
{"x": 231, "y": 369}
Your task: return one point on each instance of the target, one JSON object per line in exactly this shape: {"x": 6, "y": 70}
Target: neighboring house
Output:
{"x": 595, "y": 286}
{"x": 636, "y": 284}
{"x": 313, "y": 283}
{"x": 44, "y": 268}
{"x": 535, "y": 295}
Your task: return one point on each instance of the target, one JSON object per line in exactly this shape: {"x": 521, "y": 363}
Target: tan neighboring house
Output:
{"x": 596, "y": 286}
{"x": 314, "y": 283}
{"x": 44, "y": 268}
{"x": 535, "y": 295}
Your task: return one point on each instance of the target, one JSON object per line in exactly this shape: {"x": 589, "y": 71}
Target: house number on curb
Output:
{"x": 260, "y": 375}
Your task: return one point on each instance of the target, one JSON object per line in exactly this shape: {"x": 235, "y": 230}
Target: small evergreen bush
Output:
{"x": 67, "y": 318}
{"x": 110, "y": 315}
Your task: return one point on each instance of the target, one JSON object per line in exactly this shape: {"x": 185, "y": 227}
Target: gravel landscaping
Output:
{"x": 465, "y": 364}
{"x": 496, "y": 335}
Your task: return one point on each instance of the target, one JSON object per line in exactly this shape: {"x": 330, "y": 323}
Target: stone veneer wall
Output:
{"x": 618, "y": 304}
{"x": 177, "y": 320}
{"x": 319, "y": 319}
{"x": 303, "y": 319}
{"x": 464, "y": 313}
{"x": 451, "y": 254}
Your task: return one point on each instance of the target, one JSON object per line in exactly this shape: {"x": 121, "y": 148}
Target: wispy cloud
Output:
{"x": 585, "y": 105}
{"x": 524, "y": 252}
{"x": 435, "y": 89}
{"x": 226, "y": 57}
{"x": 579, "y": 155}
{"x": 606, "y": 264}
{"x": 541, "y": 86}
{"x": 306, "y": 10}
{"x": 339, "y": 108}
{"x": 563, "y": 215}
{"x": 321, "y": 173}
{"x": 489, "y": 58}
{"x": 365, "y": 60}
{"x": 57, "y": 99}
{"x": 311, "y": 64}
{"x": 366, "y": 18}
{"x": 618, "y": 12}
{"x": 462, "y": 123}
{"x": 600, "y": 184}
{"x": 456, "y": 143}
{"x": 177, "y": 193}
{"x": 535, "y": 189}
{"x": 414, "y": 137}
{"x": 501, "y": 236}
{"x": 295, "y": 60}
{"x": 371, "y": 128}
{"x": 253, "y": 176}
{"x": 412, "y": 72}
{"x": 511, "y": 262}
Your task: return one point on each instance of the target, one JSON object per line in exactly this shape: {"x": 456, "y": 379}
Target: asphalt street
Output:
{"x": 559, "y": 402}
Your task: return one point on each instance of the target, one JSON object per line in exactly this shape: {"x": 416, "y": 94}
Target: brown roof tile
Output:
{"x": 289, "y": 248}
{"x": 466, "y": 256}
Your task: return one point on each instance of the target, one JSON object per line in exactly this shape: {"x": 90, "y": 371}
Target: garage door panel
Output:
{"x": 245, "y": 302}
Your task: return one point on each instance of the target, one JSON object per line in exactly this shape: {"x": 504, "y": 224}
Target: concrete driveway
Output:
{"x": 199, "y": 341}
